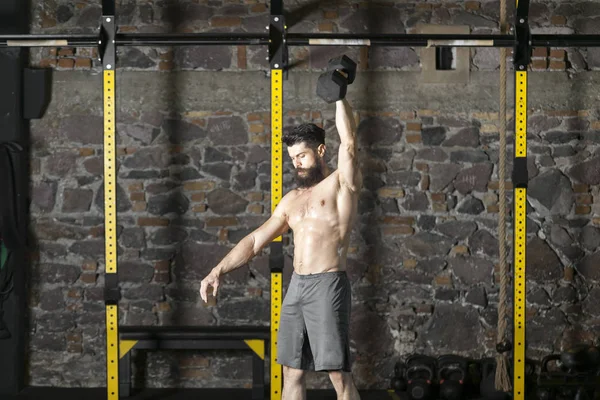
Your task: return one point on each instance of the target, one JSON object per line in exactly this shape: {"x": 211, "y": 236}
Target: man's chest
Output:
{"x": 317, "y": 204}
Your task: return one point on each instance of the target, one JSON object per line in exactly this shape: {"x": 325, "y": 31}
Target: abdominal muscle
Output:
{"x": 318, "y": 247}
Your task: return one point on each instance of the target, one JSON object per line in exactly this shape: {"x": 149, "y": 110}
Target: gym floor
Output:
{"x": 40, "y": 393}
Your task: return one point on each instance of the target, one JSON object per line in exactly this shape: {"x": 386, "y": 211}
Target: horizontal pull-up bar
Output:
{"x": 406, "y": 40}
{"x": 49, "y": 40}
{"x": 300, "y": 39}
{"x": 565, "y": 40}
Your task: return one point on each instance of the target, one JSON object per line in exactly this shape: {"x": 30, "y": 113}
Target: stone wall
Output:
{"x": 194, "y": 178}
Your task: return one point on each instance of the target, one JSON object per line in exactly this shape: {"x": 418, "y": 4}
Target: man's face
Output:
{"x": 307, "y": 163}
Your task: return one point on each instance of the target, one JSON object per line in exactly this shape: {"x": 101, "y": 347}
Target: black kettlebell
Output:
{"x": 566, "y": 393}
{"x": 581, "y": 358}
{"x": 487, "y": 387}
{"x": 474, "y": 379}
{"x": 399, "y": 381}
{"x": 398, "y": 384}
{"x": 420, "y": 373}
{"x": 545, "y": 394}
{"x": 530, "y": 377}
{"x": 452, "y": 374}
{"x": 543, "y": 391}
{"x": 582, "y": 394}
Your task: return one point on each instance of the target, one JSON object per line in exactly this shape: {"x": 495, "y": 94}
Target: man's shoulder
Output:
{"x": 288, "y": 197}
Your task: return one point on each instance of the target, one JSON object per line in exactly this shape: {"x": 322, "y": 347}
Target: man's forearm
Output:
{"x": 241, "y": 254}
{"x": 344, "y": 120}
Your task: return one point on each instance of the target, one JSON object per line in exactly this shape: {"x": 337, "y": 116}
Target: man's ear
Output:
{"x": 321, "y": 150}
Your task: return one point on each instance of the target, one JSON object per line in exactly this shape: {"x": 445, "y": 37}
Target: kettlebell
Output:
{"x": 487, "y": 386}
{"x": 398, "y": 384}
{"x": 544, "y": 391}
{"x": 452, "y": 374}
{"x": 399, "y": 381}
{"x": 581, "y": 358}
{"x": 474, "y": 379}
{"x": 420, "y": 373}
{"x": 582, "y": 394}
{"x": 545, "y": 394}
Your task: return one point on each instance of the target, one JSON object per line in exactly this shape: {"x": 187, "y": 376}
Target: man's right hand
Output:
{"x": 211, "y": 279}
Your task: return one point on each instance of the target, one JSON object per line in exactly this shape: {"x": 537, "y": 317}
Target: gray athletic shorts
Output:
{"x": 315, "y": 323}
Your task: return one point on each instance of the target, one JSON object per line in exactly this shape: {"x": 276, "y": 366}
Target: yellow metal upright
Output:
{"x": 111, "y": 289}
{"x": 522, "y": 57}
{"x": 277, "y": 60}
{"x": 276, "y": 194}
{"x": 520, "y": 239}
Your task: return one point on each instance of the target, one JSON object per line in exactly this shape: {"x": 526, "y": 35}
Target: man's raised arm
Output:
{"x": 348, "y": 168}
{"x": 247, "y": 249}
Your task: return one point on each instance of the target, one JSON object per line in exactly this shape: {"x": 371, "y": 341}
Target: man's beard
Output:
{"x": 311, "y": 177}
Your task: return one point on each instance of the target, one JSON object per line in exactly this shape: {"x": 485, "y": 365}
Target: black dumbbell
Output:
{"x": 333, "y": 84}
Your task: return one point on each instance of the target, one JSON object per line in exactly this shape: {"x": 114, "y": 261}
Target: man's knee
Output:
{"x": 340, "y": 378}
{"x": 292, "y": 374}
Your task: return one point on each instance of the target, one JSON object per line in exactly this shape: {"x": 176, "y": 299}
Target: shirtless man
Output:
{"x": 321, "y": 211}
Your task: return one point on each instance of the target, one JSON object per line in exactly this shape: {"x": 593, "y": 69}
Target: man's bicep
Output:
{"x": 275, "y": 226}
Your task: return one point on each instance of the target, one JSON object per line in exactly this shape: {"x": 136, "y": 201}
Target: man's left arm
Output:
{"x": 348, "y": 168}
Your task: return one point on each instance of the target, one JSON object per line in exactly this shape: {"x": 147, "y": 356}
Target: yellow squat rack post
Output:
{"x": 278, "y": 60}
{"x": 522, "y": 59}
{"x": 111, "y": 281}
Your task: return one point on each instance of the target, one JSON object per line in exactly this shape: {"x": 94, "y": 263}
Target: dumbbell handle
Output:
{"x": 343, "y": 73}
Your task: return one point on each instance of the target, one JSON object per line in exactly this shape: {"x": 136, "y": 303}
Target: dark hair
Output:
{"x": 309, "y": 133}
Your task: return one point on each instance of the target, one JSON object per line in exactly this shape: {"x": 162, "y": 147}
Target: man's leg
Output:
{"x": 293, "y": 350}
{"x": 294, "y": 384}
{"x": 344, "y": 385}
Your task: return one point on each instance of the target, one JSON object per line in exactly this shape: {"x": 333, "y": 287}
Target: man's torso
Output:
{"x": 321, "y": 218}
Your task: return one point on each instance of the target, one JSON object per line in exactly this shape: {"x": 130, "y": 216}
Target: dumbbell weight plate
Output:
{"x": 332, "y": 86}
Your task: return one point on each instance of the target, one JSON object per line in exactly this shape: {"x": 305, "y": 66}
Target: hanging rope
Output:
{"x": 502, "y": 380}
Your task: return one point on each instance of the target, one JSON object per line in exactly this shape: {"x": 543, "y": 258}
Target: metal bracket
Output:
{"x": 112, "y": 293}
{"x": 520, "y": 174}
{"x": 522, "y": 57}
{"x": 276, "y": 257}
{"x": 278, "y": 51}
{"x": 106, "y": 46}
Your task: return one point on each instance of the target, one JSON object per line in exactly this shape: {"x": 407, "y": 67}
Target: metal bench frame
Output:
{"x": 194, "y": 338}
